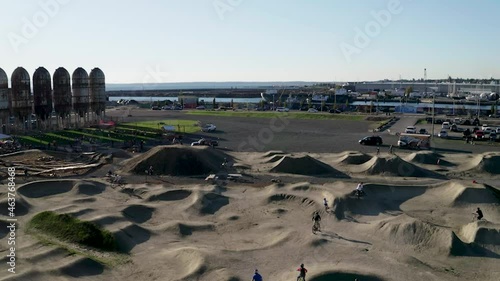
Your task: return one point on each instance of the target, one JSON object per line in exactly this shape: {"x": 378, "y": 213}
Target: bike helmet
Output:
{"x": 301, "y": 265}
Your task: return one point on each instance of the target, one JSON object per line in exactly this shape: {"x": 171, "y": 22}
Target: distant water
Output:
{"x": 205, "y": 85}
{"x": 206, "y": 100}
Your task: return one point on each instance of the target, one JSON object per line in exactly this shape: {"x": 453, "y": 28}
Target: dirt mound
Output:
{"x": 380, "y": 199}
{"x": 405, "y": 230}
{"x": 460, "y": 248}
{"x": 328, "y": 276}
{"x": 456, "y": 193}
{"x": 290, "y": 197}
{"x": 138, "y": 213}
{"x": 171, "y": 195}
{"x": 429, "y": 158}
{"x": 39, "y": 189}
{"x": 129, "y": 237}
{"x": 121, "y": 154}
{"x": 89, "y": 188}
{"x": 489, "y": 163}
{"x": 474, "y": 195}
{"x": 21, "y": 208}
{"x": 354, "y": 158}
{"x": 178, "y": 161}
{"x": 274, "y": 158}
{"x": 304, "y": 166}
{"x": 395, "y": 166}
{"x": 3, "y": 228}
{"x": 189, "y": 263}
{"x": 212, "y": 202}
{"x": 82, "y": 267}
{"x": 187, "y": 228}
{"x": 481, "y": 232}
{"x": 272, "y": 153}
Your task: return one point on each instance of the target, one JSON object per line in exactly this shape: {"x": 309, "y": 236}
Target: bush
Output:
{"x": 66, "y": 227}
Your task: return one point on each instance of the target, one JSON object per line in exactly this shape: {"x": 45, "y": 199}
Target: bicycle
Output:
{"x": 316, "y": 227}
{"x": 475, "y": 217}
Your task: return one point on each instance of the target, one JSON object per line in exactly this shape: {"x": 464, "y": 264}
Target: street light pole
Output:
{"x": 433, "y": 114}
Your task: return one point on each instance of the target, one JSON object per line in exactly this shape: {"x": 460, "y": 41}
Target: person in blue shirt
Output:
{"x": 257, "y": 276}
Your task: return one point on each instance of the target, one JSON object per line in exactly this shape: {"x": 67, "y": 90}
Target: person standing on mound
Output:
{"x": 479, "y": 214}
{"x": 257, "y": 276}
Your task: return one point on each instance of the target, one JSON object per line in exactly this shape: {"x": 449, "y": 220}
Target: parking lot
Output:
{"x": 303, "y": 135}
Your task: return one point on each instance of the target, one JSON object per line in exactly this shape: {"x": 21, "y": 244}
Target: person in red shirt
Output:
{"x": 302, "y": 273}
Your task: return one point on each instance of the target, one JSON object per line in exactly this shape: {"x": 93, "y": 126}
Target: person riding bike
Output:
{"x": 257, "y": 276}
{"x": 302, "y": 273}
{"x": 359, "y": 190}
{"x": 478, "y": 214}
{"x": 316, "y": 218}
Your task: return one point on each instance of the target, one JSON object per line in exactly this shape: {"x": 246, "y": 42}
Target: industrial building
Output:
{"x": 62, "y": 101}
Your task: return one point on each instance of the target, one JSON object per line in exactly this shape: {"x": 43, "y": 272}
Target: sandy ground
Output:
{"x": 414, "y": 224}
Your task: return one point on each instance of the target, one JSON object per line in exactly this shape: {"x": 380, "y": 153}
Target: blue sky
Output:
{"x": 253, "y": 40}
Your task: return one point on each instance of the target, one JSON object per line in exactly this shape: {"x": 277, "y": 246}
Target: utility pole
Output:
{"x": 433, "y": 104}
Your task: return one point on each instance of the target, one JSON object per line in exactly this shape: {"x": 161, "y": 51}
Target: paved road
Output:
{"x": 295, "y": 135}
{"x": 403, "y": 122}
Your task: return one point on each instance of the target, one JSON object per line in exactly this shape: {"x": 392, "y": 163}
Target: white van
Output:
{"x": 445, "y": 125}
{"x": 282, "y": 109}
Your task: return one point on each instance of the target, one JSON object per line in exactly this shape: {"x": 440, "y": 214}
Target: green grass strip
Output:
{"x": 93, "y": 136}
{"x": 68, "y": 228}
{"x": 32, "y": 140}
{"x": 187, "y": 126}
{"x": 272, "y": 114}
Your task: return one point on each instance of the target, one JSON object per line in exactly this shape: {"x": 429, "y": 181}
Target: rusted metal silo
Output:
{"x": 80, "y": 96}
{"x": 42, "y": 93}
{"x": 62, "y": 92}
{"x": 4, "y": 92}
{"x": 97, "y": 91}
{"x": 4, "y": 100}
{"x": 20, "y": 98}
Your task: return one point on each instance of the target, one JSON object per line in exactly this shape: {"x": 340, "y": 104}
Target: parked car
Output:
{"x": 493, "y": 136}
{"x": 443, "y": 134}
{"x": 445, "y": 125}
{"x": 423, "y": 131}
{"x": 205, "y": 142}
{"x": 200, "y": 107}
{"x": 371, "y": 140}
{"x": 208, "y": 128}
{"x": 282, "y": 109}
{"x": 155, "y": 108}
{"x": 487, "y": 130}
{"x": 479, "y": 135}
{"x": 312, "y": 110}
{"x": 411, "y": 130}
